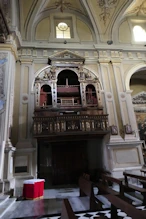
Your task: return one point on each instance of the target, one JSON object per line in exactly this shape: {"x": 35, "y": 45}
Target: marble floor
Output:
{"x": 50, "y": 206}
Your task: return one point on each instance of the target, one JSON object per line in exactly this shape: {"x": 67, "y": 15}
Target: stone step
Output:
{"x": 6, "y": 206}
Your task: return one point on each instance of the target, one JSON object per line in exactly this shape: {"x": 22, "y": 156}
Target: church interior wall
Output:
{"x": 125, "y": 34}
{"x": 114, "y": 59}
{"x": 84, "y": 32}
{"x": 42, "y": 31}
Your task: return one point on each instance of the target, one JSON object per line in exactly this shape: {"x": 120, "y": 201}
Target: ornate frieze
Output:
{"x": 139, "y": 98}
{"x": 84, "y": 74}
{"x": 74, "y": 59}
{"x": 66, "y": 58}
{"x": 48, "y": 74}
{"x": 67, "y": 124}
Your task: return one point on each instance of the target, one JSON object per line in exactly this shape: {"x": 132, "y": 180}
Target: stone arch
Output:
{"x": 32, "y": 24}
{"x": 130, "y": 72}
{"x": 45, "y": 95}
{"x": 91, "y": 94}
{"x": 118, "y": 20}
{"x": 70, "y": 74}
{"x": 36, "y": 74}
{"x": 58, "y": 70}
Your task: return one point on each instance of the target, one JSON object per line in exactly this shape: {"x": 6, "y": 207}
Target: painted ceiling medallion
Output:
{"x": 106, "y": 6}
{"x": 62, "y": 5}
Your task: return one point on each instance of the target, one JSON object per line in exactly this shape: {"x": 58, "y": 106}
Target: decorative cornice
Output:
{"x": 65, "y": 54}
{"x": 26, "y": 61}
{"x": 9, "y": 47}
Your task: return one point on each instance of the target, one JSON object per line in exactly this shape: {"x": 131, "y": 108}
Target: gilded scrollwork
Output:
{"x": 53, "y": 72}
{"x": 81, "y": 72}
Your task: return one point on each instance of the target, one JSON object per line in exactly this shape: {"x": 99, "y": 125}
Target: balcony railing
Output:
{"x": 67, "y": 124}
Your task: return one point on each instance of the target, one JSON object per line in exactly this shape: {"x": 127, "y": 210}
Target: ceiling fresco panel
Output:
{"x": 104, "y": 12}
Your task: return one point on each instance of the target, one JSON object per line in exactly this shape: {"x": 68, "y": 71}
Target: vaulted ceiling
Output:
{"x": 102, "y": 15}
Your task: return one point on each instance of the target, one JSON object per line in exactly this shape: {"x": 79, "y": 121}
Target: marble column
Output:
{"x": 105, "y": 75}
{"x": 26, "y": 99}
{"x": 83, "y": 94}
{"x": 54, "y": 94}
{"x": 125, "y": 103}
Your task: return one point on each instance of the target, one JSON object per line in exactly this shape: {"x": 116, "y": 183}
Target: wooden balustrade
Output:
{"x": 69, "y": 123}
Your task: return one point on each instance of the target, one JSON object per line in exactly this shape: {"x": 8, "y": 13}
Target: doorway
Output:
{"x": 61, "y": 163}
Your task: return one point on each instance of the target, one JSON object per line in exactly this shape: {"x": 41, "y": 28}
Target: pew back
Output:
{"x": 130, "y": 210}
{"x": 67, "y": 212}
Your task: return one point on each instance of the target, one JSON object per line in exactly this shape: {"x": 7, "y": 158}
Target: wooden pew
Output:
{"x": 104, "y": 188}
{"x": 111, "y": 179}
{"x": 117, "y": 203}
{"x": 86, "y": 189}
{"x": 130, "y": 187}
{"x": 67, "y": 212}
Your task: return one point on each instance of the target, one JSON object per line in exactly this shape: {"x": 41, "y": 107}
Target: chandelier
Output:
{"x": 106, "y": 6}
{"x": 62, "y": 5}
{"x": 62, "y": 26}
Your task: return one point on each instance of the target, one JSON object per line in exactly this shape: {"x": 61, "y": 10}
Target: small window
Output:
{"x": 139, "y": 34}
{"x": 63, "y": 31}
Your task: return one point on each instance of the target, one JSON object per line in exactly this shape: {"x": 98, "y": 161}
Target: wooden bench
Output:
{"x": 130, "y": 187}
{"x": 117, "y": 203}
{"x": 104, "y": 188}
{"x": 86, "y": 189}
{"x": 67, "y": 212}
{"x": 111, "y": 179}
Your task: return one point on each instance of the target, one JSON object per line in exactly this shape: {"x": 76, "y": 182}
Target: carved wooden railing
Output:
{"x": 65, "y": 124}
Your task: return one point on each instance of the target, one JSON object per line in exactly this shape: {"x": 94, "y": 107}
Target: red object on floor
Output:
{"x": 33, "y": 188}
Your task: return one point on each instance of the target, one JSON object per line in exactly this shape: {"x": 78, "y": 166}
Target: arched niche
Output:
{"x": 45, "y": 95}
{"x": 68, "y": 88}
{"x": 91, "y": 96}
{"x": 130, "y": 72}
{"x": 138, "y": 92}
